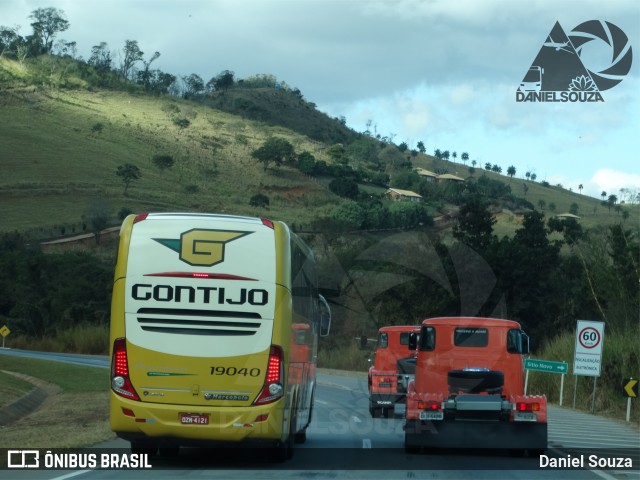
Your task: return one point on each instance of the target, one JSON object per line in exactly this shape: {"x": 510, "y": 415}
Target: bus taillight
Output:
{"x": 120, "y": 382}
{"x": 272, "y": 389}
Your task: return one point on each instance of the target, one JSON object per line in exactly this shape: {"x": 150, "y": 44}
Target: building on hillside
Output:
{"x": 428, "y": 175}
{"x": 403, "y": 195}
{"x": 448, "y": 177}
{"x": 567, "y": 215}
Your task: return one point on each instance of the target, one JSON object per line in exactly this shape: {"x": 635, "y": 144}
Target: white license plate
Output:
{"x": 525, "y": 417}
{"x": 194, "y": 419}
{"x": 431, "y": 415}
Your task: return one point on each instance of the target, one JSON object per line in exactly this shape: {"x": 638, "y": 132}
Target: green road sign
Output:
{"x": 546, "y": 366}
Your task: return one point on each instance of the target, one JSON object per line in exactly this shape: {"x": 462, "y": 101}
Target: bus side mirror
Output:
{"x": 325, "y": 316}
{"x": 525, "y": 344}
{"x": 413, "y": 341}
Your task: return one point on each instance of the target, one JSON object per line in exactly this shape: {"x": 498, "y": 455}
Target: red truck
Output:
{"x": 468, "y": 390}
{"x": 393, "y": 366}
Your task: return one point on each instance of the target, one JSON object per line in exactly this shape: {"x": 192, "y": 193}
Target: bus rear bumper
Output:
{"x": 133, "y": 421}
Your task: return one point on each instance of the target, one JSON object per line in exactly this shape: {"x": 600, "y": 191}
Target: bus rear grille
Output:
{"x": 198, "y": 322}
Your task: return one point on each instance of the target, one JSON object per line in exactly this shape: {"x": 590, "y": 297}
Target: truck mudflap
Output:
{"x": 475, "y": 434}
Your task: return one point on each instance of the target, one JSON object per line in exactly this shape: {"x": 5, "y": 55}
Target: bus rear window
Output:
{"x": 471, "y": 337}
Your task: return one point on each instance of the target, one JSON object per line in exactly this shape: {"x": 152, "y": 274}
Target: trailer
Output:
{"x": 468, "y": 389}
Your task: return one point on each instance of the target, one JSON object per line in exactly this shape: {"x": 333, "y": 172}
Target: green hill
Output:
{"x": 61, "y": 149}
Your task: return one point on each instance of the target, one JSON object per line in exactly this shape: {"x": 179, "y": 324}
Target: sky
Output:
{"x": 444, "y": 72}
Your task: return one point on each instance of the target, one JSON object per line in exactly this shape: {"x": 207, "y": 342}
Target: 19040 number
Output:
{"x": 231, "y": 371}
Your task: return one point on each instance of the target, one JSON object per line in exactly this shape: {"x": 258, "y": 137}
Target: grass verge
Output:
{"x": 12, "y": 388}
{"x": 77, "y": 416}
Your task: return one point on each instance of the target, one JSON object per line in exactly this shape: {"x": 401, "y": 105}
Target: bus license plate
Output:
{"x": 194, "y": 419}
{"x": 431, "y": 415}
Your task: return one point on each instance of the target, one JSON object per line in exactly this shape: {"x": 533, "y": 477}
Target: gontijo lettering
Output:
{"x": 190, "y": 294}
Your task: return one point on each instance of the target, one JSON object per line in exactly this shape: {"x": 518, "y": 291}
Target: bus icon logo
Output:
{"x": 23, "y": 459}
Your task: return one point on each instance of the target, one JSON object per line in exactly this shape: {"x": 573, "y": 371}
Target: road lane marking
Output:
{"x": 321, "y": 402}
{"x": 356, "y": 419}
{"x": 366, "y": 443}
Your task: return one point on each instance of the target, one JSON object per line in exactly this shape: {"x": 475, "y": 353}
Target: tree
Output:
{"x": 344, "y": 187}
{"x": 222, "y": 82}
{"x": 552, "y": 207}
{"x": 131, "y": 55}
{"x": 306, "y": 163}
{"x": 464, "y": 157}
{"x": 48, "y": 22}
{"x": 527, "y": 175}
{"x": 611, "y": 201}
{"x": 487, "y": 166}
{"x": 163, "y": 162}
{"x": 454, "y": 155}
{"x": 145, "y": 76}
{"x": 128, "y": 173}
{"x": 403, "y": 147}
{"x": 421, "y": 147}
{"x": 446, "y": 155}
{"x": 193, "y": 84}
{"x": 9, "y": 40}
{"x": 580, "y": 187}
{"x": 437, "y": 153}
{"x": 533, "y": 177}
{"x": 274, "y": 150}
{"x": 100, "y": 57}
{"x": 574, "y": 208}
{"x": 511, "y": 171}
{"x": 603, "y": 195}
{"x": 475, "y": 224}
{"x": 542, "y": 204}
{"x": 496, "y": 168}
{"x": 473, "y": 163}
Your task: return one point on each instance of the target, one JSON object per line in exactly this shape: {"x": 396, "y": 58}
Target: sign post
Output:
{"x": 4, "y": 331}
{"x": 587, "y": 360}
{"x": 631, "y": 389}
{"x": 546, "y": 366}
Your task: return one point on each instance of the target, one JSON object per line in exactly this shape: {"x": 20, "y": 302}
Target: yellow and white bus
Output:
{"x": 214, "y": 327}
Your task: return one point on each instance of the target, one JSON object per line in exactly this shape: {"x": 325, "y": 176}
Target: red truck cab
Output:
{"x": 392, "y": 368}
{"x": 468, "y": 390}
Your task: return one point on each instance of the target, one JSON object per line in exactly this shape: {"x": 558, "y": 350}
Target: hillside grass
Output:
{"x": 62, "y": 148}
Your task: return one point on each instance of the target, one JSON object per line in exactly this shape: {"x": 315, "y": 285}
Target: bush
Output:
{"x": 259, "y": 200}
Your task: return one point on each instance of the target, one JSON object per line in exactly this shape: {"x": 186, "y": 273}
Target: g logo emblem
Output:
{"x": 203, "y": 248}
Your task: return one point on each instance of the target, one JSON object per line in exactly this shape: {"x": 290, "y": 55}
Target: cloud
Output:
{"x": 611, "y": 181}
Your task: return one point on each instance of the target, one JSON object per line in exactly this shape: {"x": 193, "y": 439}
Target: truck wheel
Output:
{"x": 475, "y": 381}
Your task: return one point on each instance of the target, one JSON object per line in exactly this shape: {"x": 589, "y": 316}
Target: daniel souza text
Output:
{"x": 582, "y": 461}
{"x": 559, "y": 97}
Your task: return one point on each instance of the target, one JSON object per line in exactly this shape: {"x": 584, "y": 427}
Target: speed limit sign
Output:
{"x": 588, "y": 354}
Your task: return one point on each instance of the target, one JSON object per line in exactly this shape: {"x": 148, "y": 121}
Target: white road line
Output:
{"x": 366, "y": 443}
{"x": 356, "y": 419}
{"x": 71, "y": 475}
{"x": 321, "y": 402}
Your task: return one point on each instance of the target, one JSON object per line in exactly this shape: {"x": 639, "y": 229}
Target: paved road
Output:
{"x": 344, "y": 442}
